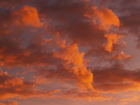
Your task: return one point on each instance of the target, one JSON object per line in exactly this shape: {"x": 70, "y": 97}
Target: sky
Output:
{"x": 69, "y": 52}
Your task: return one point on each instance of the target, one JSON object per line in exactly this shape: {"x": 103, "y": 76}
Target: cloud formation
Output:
{"x": 115, "y": 79}
{"x": 68, "y": 48}
{"x": 11, "y": 87}
{"x": 27, "y": 15}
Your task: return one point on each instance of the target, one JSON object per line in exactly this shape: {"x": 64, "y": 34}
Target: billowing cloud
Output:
{"x": 75, "y": 64}
{"x": 67, "y": 48}
{"x": 73, "y": 68}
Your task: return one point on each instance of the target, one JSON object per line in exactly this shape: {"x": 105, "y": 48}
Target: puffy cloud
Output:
{"x": 27, "y": 16}
{"x": 111, "y": 40}
{"x": 17, "y": 18}
{"x": 74, "y": 63}
{"x": 107, "y": 17}
{"x": 70, "y": 19}
{"x": 83, "y": 28}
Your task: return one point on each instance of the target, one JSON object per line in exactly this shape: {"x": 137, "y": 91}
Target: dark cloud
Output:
{"x": 53, "y": 37}
{"x": 116, "y": 78}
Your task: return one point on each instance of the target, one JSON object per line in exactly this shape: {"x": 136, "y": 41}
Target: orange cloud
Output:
{"x": 82, "y": 28}
{"x": 107, "y": 18}
{"x": 75, "y": 64}
{"x": 69, "y": 67}
{"x": 112, "y": 39}
{"x": 27, "y": 16}
{"x": 11, "y": 86}
{"x": 122, "y": 56}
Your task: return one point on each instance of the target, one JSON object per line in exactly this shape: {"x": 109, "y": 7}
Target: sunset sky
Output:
{"x": 69, "y": 52}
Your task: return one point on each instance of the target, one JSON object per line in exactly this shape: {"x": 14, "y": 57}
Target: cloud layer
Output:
{"x": 73, "y": 48}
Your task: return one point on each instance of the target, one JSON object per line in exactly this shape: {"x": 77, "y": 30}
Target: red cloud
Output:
{"x": 27, "y": 16}
{"x": 63, "y": 49}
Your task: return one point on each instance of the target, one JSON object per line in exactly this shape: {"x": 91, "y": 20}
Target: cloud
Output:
{"x": 59, "y": 40}
{"x": 17, "y": 18}
{"x": 128, "y": 12}
{"x": 74, "y": 20}
{"x": 111, "y": 40}
{"x": 122, "y": 55}
{"x": 27, "y": 16}
{"x": 77, "y": 20}
{"x": 73, "y": 68}
{"x": 74, "y": 63}
{"x": 9, "y": 103}
{"x": 11, "y": 86}
{"x": 116, "y": 79}
{"x": 13, "y": 52}
{"x": 107, "y": 17}
{"x": 77, "y": 94}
